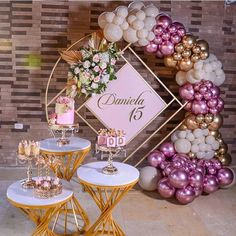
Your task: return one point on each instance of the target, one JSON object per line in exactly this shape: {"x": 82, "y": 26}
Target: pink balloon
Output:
{"x": 196, "y": 86}
{"x": 225, "y": 177}
{"x": 165, "y": 36}
{"x": 178, "y": 178}
{"x": 199, "y": 107}
{"x": 198, "y": 96}
{"x": 198, "y": 191}
{"x": 175, "y": 38}
{"x": 163, "y": 165}
{"x": 217, "y": 164}
{"x": 181, "y": 32}
{"x": 178, "y": 24}
{"x": 185, "y": 195}
{"x": 158, "y": 40}
{"x": 156, "y": 158}
{"x": 172, "y": 28}
{"x": 220, "y": 105}
{"x": 210, "y": 184}
{"x": 151, "y": 47}
{"x": 211, "y": 170}
{"x": 168, "y": 169}
{"x": 158, "y": 30}
{"x": 203, "y": 89}
{"x": 188, "y": 106}
{"x": 167, "y": 149}
{"x": 163, "y": 21}
{"x": 186, "y": 91}
{"x": 208, "y": 83}
{"x": 208, "y": 95}
{"x": 215, "y": 92}
{"x": 196, "y": 179}
{"x": 167, "y": 48}
{"x": 159, "y": 54}
{"x": 165, "y": 189}
{"x": 212, "y": 102}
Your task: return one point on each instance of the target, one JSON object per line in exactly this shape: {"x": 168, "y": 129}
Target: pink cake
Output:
{"x": 65, "y": 107}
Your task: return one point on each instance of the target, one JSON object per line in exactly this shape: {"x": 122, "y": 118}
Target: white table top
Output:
{"x": 76, "y": 144}
{"x": 25, "y": 197}
{"x": 92, "y": 173}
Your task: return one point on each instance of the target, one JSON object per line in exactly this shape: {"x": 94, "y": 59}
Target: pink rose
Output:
{"x": 96, "y": 79}
{"x": 96, "y": 69}
{"x": 113, "y": 61}
{"x": 96, "y": 58}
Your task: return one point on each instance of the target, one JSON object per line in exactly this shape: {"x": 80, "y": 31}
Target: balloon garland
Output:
{"x": 193, "y": 161}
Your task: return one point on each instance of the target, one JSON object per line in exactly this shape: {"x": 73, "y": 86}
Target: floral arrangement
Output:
{"x": 91, "y": 67}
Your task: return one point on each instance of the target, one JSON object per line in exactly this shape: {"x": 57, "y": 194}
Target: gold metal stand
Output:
{"x": 106, "y": 199}
{"x": 41, "y": 216}
{"x": 71, "y": 161}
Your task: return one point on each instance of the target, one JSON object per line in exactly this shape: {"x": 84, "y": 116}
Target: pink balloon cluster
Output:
{"x": 187, "y": 178}
{"x": 167, "y": 35}
{"x": 202, "y": 97}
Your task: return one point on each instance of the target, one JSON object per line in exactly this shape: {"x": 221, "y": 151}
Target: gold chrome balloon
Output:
{"x": 179, "y": 47}
{"x": 203, "y": 125}
{"x": 216, "y": 123}
{"x": 209, "y": 118}
{"x": 222, "y": 150}
{"x": 191, "y": 154}
{"x": 203, "y": 44}
{"x": 196, "y": 49}
{"x": 191, "y": 122}
{"x": 177, "y": 56}
{"x": 200, "y": 118}
{"x": 185, "y": 65}
{"x": 225, "y": 159}
{"x": 204, "y": 55}
{"x": 214, "y": 133}
{"x": 221, "y": 141}
{"x": 169, "y": 61}
{"x": 189, "y": 40}
{"x": 186, "y": 53}
{"x": 195, "y": 58}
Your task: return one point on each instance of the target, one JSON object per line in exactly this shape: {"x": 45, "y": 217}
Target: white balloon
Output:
{"x": 174, "y": 137}
{"x": 143, "y": 33}
{"x": 209, "y": 155}
{"x": 109, "y": 16}
{"x": 197, "y": 141}
{"x": 197, "y": 133}
{"x": 143, "y": 42}
{"x": 112, "y": 32}
{"x": 205, "y": 132}
{"x": 200, "y": 155}
{"x": 190, "y": 137}
{"x": 135, "y": 5}
{"x": 190, "y": 77}
{"x": 151, "y": 11}
{"x": 149, "y": 22}
{"x": 124, "y": 26}
{"x": 182, "y": 134}
{"x": 194, "y": 148}
{"x": 149, "y": 176}
{"x": 151, "y": 36}
{"x": 118, "y": 20}
{"x": 182, "y": 146}
{"x": 122, "y": 11}
{"x": 210, "y": 139}
{"x": 137, "y": 24}
{"x": 215, "y": 145}
{"x": 202, "y": 147}
{"x": 130, "y": 36}
{"x": 198, "y": 65}
{"x": 131, "y": 19}
{"x": 101, "y": 20}
{"x": 140, "y": 15}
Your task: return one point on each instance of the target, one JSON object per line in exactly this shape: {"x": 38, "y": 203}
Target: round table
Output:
{"x": 40, "y": 211}
{"x": 72, "y": 155}
{"x": 107, "y": 191}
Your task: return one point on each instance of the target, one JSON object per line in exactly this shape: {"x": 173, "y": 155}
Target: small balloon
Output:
{"x": 165, "y": 189}
{"x": 185, "y": 195}
{"x": 196, "y": 179}
{"x": 188, "y": 40}
{"x": 210, "y": 184}
{"x": 178, "y": 178}
{"x": 155, "y": 158}
{"x": 167, "y": 149}
{"x": 225, "y": 177}
{"x": 185, "y": 64}
{"x": 225, "y": 159}
{"x": 169, "y": 61}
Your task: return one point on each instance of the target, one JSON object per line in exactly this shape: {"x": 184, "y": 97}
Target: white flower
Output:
{"x": 105, "y": 79}
{"x": 76, "y": 70}
{"x": 86, "y": 64}
{"x": 83, "y": 90}
{"x": 103, "y": 65}
{"x": 93, "y": 64}
{"x": 105, "y": 57}
{"x": 94, "y": 85}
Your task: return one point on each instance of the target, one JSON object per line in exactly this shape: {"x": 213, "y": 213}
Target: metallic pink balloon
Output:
{"x": 198, "y": 96}
{"x": 203, "y": 89}
{"x": 215, "y": 91}
{"x": 167, "y": 149}
{"x": 201, "y": 169}
{"x": 198, "y": 191}
{"x": 188, "y": 106}
{"x": 220, "y": 105}
{"x": 208, "y": 95}
{"x": 151, "y": 47}
{"x": 217, "y": 164}
{"x": 177, "y": 164}
{"x": 208, "y": 83}
{"x": 211, "y": 170}
{"x": 163, "y": 21}
{"x": 181, "y": 32}
{"x": 199, "y": 107}
{"x": 210, "y": 184}
{"x": 165, "y": 36}
{"x": 158, "y": 40}
{"x": 163, "y": 165}
{"x": 178, "y": 24}
{"x": 158, "y": 30}
{"x": 159, "y": 54}
{"x": 196, "y": 179}
{"x": 214, "y": 110}
{"x": 186, "y": 91}
{"x": 196, "y": 86}
{"x": 212, "y": 102}
{"x": 225, "y": 177}
{"x": 178, "y": 178}
{"x": 167, "y": 48}
{"x": 185, "y": 195}
{"x": 165, "y": 189}
{"x": 175, "y": 38}
{"x": 168, "y": 169}
{"x": 156, "y": 158}
{"x": 172, "y": 28}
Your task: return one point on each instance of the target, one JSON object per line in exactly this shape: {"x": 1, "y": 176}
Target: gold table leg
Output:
{"x": 106, "y": 199}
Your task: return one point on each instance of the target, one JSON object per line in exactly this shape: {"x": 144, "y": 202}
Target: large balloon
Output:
{"x": 112, "y": 32}
{"x": 210, "y": 184}
{"x": 167, "y": 149}
{"x": 225, "y": 177}
{"x": 178, "y": 178}
{"x": 185, "y": 195}
{"x": 196, "y": 179}
{"x": 165, "y": 189}
{"x": 149, "y": 176}
{"x": 155, "y": 158}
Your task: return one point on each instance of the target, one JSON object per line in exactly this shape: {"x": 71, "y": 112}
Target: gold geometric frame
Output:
{"x": 174, "y": 99}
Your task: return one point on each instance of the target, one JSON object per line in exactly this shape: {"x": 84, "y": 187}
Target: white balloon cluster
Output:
{"x": 133, "y": 23}
{"x": 198, "y": 141}
{"x": 209, "y": 69}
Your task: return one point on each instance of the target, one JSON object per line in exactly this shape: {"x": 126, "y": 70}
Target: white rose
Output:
{"x": 94, "y": 85}
{"x": 77, "y": 70}
{"x": 105, "y": 79}
{"x": 86, "y": 64}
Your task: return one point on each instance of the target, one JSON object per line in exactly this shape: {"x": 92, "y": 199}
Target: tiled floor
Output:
{"x": 140, "y": 213}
